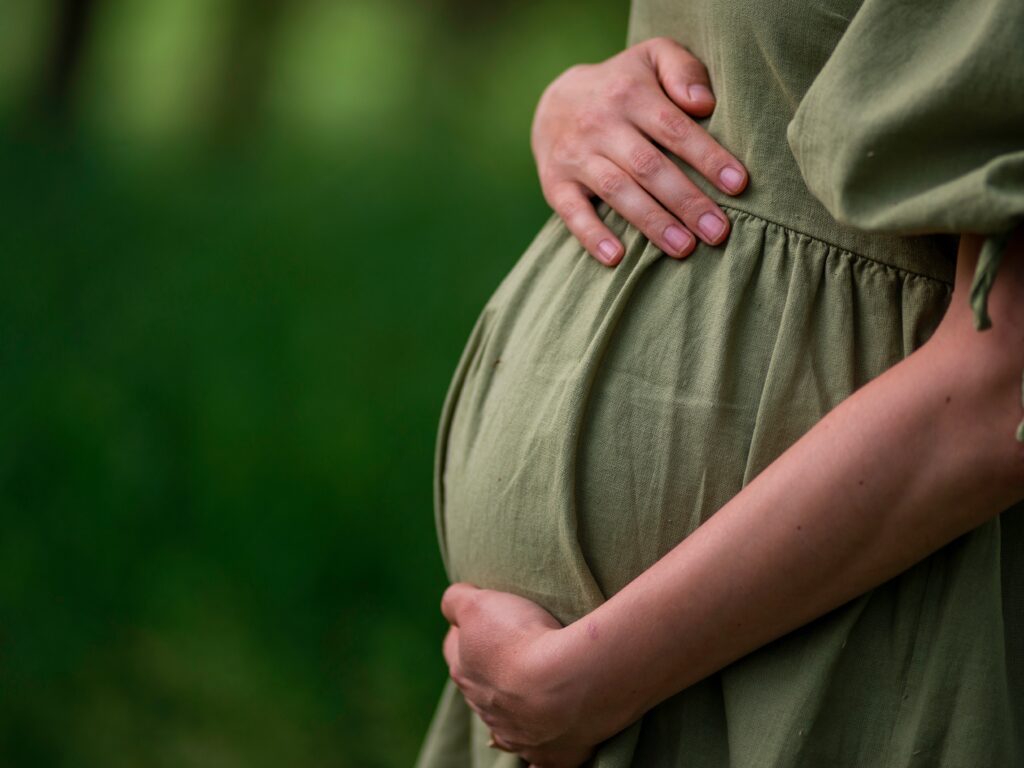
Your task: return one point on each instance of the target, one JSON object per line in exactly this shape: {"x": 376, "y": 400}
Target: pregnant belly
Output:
{"x": 599, "y": 416}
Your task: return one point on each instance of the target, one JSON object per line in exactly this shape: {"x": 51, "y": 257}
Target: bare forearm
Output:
{"x": 921, "y": 455}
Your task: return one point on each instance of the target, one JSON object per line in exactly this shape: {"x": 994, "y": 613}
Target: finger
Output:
{"x": 663, "y": 180}
{"x": 455, "y": 599}
{"x": 496, "y": 742}
{"x": 571, "y": 202}
{"x": 470, "y": 694}
{"x": 450, "y": 649}
{"x": 622, "y": 193}
{"x": 682, "y": 75}
{"x": 670, "y": 186}
{"x": 487, "y": 719}
{"x": 659, "y": 118}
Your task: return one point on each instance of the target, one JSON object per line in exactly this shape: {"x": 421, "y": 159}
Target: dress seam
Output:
{"x": 788, "y": 230}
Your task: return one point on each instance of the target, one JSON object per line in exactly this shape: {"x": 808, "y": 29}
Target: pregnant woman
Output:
{"x": 751, "y": 507}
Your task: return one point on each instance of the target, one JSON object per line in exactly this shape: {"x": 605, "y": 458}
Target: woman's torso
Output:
{"x": 598, "y": 416}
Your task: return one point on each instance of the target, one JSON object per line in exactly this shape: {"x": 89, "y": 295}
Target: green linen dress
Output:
{"x": 598, "y": 416}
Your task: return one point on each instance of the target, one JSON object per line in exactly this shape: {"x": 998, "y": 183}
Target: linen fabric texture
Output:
{"x": 598, "y": 416}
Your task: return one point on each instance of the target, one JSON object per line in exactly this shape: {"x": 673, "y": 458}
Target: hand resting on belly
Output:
{"x": 598, "y": 132}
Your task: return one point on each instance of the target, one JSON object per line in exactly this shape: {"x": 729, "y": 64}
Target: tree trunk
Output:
{"x": 71, "y": 28}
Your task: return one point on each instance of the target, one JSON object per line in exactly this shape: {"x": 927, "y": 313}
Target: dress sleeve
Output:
{"x": 915, "y": 125}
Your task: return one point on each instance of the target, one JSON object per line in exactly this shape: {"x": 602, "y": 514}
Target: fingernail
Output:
{"x": 731, "y": 178}
{"x": 711, "y": 225}
{"x": 678, "y": 239}
{"x": 609, "y": 249}
{"x": 700, "y": 93}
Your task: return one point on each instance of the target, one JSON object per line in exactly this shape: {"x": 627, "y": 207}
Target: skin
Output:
{"x": 597, "y": 132}
{"x": 923, "y": 454}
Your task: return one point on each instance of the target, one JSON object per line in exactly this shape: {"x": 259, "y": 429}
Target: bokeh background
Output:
{"x": 241, "y": 245}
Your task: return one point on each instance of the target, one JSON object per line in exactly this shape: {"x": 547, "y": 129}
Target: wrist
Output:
{"x": 590, "y": 673}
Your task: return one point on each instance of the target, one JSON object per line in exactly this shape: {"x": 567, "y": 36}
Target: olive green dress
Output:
{"x": 598, "y": 416}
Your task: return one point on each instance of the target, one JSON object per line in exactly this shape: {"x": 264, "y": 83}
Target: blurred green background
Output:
{"x": 241, "y": 245}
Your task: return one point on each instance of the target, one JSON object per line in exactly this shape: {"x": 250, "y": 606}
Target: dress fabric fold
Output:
{"x": 598, "y": 416}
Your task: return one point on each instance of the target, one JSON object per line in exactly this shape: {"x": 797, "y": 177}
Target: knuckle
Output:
{"x": 456, "y": 675}
{"x": 588, "y": 122}
{"x": 591, "y": 235}
{"x": 675, "y": 124}
{"x": 578, "y": 71}
{"x": 646, "y": 162}
{"x": 662, "y": 41}
{"x": 574, "y": 71}
{"x": 609, "y": 183}
{"x": 710, "y": 158}
{"x": 618, "y": 88}
{"x": 652, "y": 222}
{"x": 490, "y": 701}
{"x": 565, "y": 80}
{"x": 565, "y": 153}
{"x": 490, "y": 720}
{"x": 472, "y": 603}
{"x": 568, "y": 207}
{"x": 689, "y": 204}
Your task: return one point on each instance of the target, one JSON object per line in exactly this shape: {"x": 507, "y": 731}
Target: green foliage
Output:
{"x": 222, "y": 365}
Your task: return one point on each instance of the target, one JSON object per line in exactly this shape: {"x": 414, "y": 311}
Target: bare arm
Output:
{"x": 921, "y": 455}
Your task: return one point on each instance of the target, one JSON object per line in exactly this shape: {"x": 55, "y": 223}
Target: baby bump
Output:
{"x": 599, "y": 416}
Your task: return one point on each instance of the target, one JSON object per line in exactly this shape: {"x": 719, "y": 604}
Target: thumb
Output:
{"x": 682, "y": 76}
{"x": 455, "y": 601}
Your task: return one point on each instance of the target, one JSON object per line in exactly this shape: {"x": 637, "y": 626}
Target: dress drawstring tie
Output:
{"x": 991, "y": 255}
